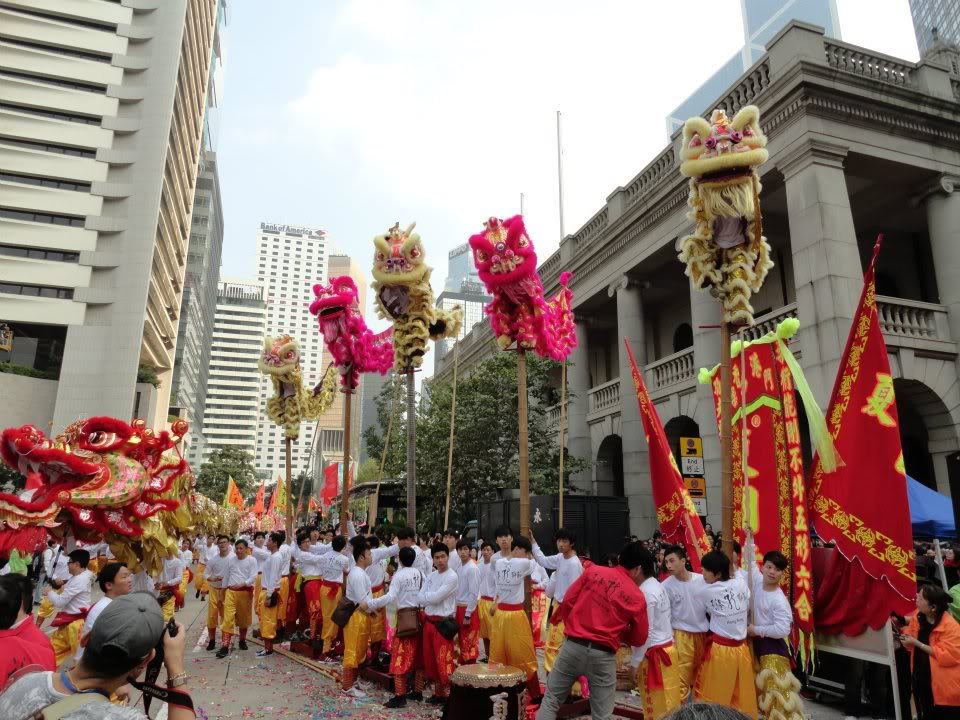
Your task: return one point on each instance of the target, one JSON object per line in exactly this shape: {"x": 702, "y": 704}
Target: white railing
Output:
{"x": 852, "y": 59}
{"x": 671, "y": 370}
{"x": 553, "y": 416}
{"x": 912, "y": 319}
{"x": 768, "y": 323}
{"x": 604, "y": 397}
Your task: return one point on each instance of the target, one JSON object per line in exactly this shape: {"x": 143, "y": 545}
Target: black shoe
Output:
{"x": 211, "y": 646}
{"x": 243, "y": 645}
{"x": 203, "y": 598}
{"x": 223, "y": 652}
{"x": 436, "y": 700}
{"x": 416, "y": 696}
{"x": 197, "y": 595}
{"x": 397, "y": 701}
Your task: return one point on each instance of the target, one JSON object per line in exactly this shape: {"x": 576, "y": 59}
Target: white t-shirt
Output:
{"x": 34, "y": 692}
{"x": 658, "y": 618}
{"x": 439, "y": 594}
{"x": 772, "y": 615}
{"x": 510, "y": 573}
{"x": 404, "y": 590}
{"x": 687, "y": 609}
{"x": 728, "y": 602}
{"x": 567, "y": 570}
{"x": 91, "y": 619}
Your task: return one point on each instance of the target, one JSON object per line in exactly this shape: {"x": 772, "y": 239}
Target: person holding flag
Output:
{"x": 688, "y": 615}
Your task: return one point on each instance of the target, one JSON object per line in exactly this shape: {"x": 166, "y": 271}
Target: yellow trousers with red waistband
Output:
{"x": 65, "y": 639}
{"x": 511, "y": 639}
{"x": 554, "y": 639}
{"x": 658, "y": 681}
{"x": 356, "y": 640}
{"x": 46, "y": 607}
{"x": 690, "y": 647}
{"x": 199, "y": 579}
{"x": 214, "y": 610}
{"x": 268, "y": 618}
{"x": 726, "y": 676}
{"x": 284, "y": 591}
{"x": 237, "y": 612}
{"x": 378, "y": 621}
{"x": 329, "y": 597}
{"x": 483, "y": 611}
{"x": 170, "y": 606}
{"x": 256, "y": 593}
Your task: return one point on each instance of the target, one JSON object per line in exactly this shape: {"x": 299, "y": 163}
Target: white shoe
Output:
{"x": 355, "y": 692}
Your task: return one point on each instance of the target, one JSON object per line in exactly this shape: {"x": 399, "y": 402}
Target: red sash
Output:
{"x": 244, "y": 589}
{"x": 657, "y": 656}
{"x": 488, "y": 598}
{"x": 378, "y": 588}
{"x": 509, "y": 606}
{"x": 331, "y": 587}
{"x": 175, "y": 591}
{"x": 62, "y": 618}
{"x": 719, "y": 640}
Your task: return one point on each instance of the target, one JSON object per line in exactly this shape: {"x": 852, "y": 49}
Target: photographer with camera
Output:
{"x": 120, "y": 646}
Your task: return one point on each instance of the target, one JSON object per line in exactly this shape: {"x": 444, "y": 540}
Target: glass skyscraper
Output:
{"x": 942, "y": 15}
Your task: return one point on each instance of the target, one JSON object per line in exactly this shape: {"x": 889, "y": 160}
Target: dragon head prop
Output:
{"x": 503, "y": 253}
{"x": 280, "y": 358}
{"x": 723, "y": 151}
{"x": 398, "y": 257}
{"x": 338, "y": 298}
{"x": 101, "y": 476}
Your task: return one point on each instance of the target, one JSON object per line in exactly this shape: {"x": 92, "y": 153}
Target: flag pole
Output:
{"x": 289, "y": 489}
{"x": 563, "y": 369}
{"x": 411, "y": 449}
{"x": 453, "y": 417}
{"x": 375, "y": 503}
{"x": 345, "y": 496}
{"x": 726, "y": 438}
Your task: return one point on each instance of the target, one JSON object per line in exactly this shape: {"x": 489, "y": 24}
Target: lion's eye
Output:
{"x": 414, "y": 252}
{"x": 381, "y": 257}
{"x": 481, "y": 257}
{"x": 523, "y": 242}
{"x": 99, "y": 438}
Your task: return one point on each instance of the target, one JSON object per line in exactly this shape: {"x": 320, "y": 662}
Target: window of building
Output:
{"x": 69, "y": 117}
{"x": 45, "y": 182}
{"x": 49, "y": 147}
{"x": 42, "y": 217}
{"x": 39, "y": 253}
{"x": 36, "y": 291}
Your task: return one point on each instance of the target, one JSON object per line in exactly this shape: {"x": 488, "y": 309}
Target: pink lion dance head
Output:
{"x": 354, "y": 347}
{"x": 507, "y": 264}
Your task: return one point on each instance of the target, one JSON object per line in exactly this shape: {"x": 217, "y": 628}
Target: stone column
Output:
{"x": 827, "y": 272}
{"x": 636, "y": 465}
{"x": 704, "y": 312}
{"x": 943, "y": 226}
{"x": 578, "y": 388}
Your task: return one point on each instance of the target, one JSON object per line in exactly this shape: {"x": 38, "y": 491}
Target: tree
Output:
{"x": 368, "y": 471}
{"x": 486, "y": 441}
{"x": 10, "y": 480}
{"x": 392, "y": 395}
{"x": 223, "y": 464}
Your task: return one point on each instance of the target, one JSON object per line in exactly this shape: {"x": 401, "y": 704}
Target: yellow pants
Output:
{"x": 65, "y": 640}
{"x": 214, "y": 608}
{"x": 378, "y": 622}
{"x": 46, "y": 607}
{"x": 237, "y": 611}
{"x": 256, "y": 592}
{"x": 660, "y": 702}
{"x": 184, "y": 582}
{"x": 94, "y": 565}
{"x": 778, "y": 689}
{"x": 169, "y": 608}
{"x": 726, "y": 678}
{"x": 511, "y": 641}
{"x": 327, "y": 606}
{"x": 483, "y": 610}
{"x": 356, "y": 639}
{"x": 199, "y": 581}
{"x": 553, "y": 643}
{"x": 689, "y": 648}
{"x": 284, "y": 595}
{"x": 268, "y": 616}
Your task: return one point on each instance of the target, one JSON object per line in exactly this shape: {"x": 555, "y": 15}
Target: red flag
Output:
{"x": 862, "y": 506}
{"x": 258, "y": 503}
{"x": 312, "y": 506}
{"x": 676, "y": 513}
{"x": 330, "y": 483}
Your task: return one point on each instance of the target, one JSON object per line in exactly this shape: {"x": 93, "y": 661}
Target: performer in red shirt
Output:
{"x": 22, "y": 643}
{"x": 603, "y": 608}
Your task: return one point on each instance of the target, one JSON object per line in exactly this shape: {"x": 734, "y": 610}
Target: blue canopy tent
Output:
{"x": 931, "y": 514}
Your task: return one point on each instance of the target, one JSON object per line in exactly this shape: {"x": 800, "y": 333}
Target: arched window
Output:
{"x": 682, "y": 337}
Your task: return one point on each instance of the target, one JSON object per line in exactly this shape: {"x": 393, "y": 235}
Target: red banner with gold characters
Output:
{"x": 676, "y": 514}
{"x": 770, "y": 499}
{"x": 862, "y": 506}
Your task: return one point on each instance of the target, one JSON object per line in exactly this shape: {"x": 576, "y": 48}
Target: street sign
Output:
{"x": 691, "y": 466}
{"x": 691, "y": 447}
{"x": 701, "y": 505}
{"x": 696, "y": 486}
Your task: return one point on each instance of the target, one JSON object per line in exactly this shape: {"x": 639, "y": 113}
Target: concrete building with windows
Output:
{"x": 101, "y": 118}
{"x": 471, "y": 296}
{"x": 762, "y": 19}
{"x": 935, "y": 20}
{"x": 860, "y": 143}
{"x": 232, "y": 409}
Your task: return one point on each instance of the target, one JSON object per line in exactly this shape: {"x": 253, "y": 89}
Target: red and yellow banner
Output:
{"x": 863, "y": 507}
{"x": 771, "y": 499}
{"x": 278, "y": 500}
{"x": 676, "y": 513}
{"x": 233, "y": 496}
{"x": 258, "y": 507}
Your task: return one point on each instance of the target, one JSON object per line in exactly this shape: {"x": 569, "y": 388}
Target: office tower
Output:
{"x": 935, "y": 21}
{"x": 100, "y": 140}
{"x": 232, "y": 407}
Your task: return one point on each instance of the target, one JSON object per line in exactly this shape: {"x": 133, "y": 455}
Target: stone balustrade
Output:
{"x": 605, "y": 397}
{"x": 856, "y": 60}
{"x": 671, "y": 370}
{"x": 768, "y": 323}
{"x": 911, "y": 319}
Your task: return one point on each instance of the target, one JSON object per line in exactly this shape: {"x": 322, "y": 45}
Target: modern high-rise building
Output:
{"x": 935, "y": 20}
{"x": 762, "y": 20}
{"x": 101, "y": 119}
{"x": 460, "y": 268}
{"x": 232, "y": 408}
{"x": 370, "y": 388}
{"x": 290, "y": 260}
{"x": 472, "y": 297}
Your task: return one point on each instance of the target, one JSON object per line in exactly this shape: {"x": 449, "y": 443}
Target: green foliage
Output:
{"x": 14, "y": 369}
{"x": 396, "y": 464}
{"x": 223, "y": 464}
{"x": 10, "y": 480}
{"x": 368, "y": 471}
{"x": 148, "y": 374}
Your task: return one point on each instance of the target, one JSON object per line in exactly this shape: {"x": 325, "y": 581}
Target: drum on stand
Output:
{"x": 484, "y": 691}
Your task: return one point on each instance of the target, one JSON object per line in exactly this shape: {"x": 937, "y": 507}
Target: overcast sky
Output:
{"x": 352, "y": 115}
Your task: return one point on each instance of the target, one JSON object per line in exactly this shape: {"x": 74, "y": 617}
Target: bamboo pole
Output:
{"x": 726, "y": 437}
{"x": 524, "y": 450}
{"x": 345, "y": 496}
{"x": 453, "y": 417}
{"x": 411, "y": 449}
{"x": 563, "y": 420}
{"x": 375, "y": 503}
{"x": 289, "y": 493}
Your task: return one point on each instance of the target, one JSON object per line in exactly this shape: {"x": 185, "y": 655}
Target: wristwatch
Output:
{"x": 177, "y": 680}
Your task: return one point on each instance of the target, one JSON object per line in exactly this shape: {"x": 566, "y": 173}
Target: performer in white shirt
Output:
{"x": 268, "y": 600}
{"x": 377, "y": 572}
{"x": 504, "y": 538}
{"x": 488, "y": 590}
{"x": 238, "y": 597}
{"x": 72, "y": 604}
{"x": 567, "y": 568}
{"x": 406, "y": 537}
{"x": 511, "y": 641}
{"x": 261, "y": 554}
{"x": 688, "y": 615}
{"x": 538, "y": 603}
{"x": 439, "y": 600}
{"x": 404, "y": 591}
{"x": 778, "y": 689}
{"x": 658, "y": 680}
{"x": 170, "y": 578}
{"x": 56, "y": 562}
{"x": 451, "y": 538}
{"x": 114, "y": 580}
{"x": 726, "y": 675}
{"x": 468, "y": 598}
{"x": 356, "y": 633}
{"x": 309, "y": 567}
{"x": 333, "y": 565}
{"x": 217, "y": 571}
